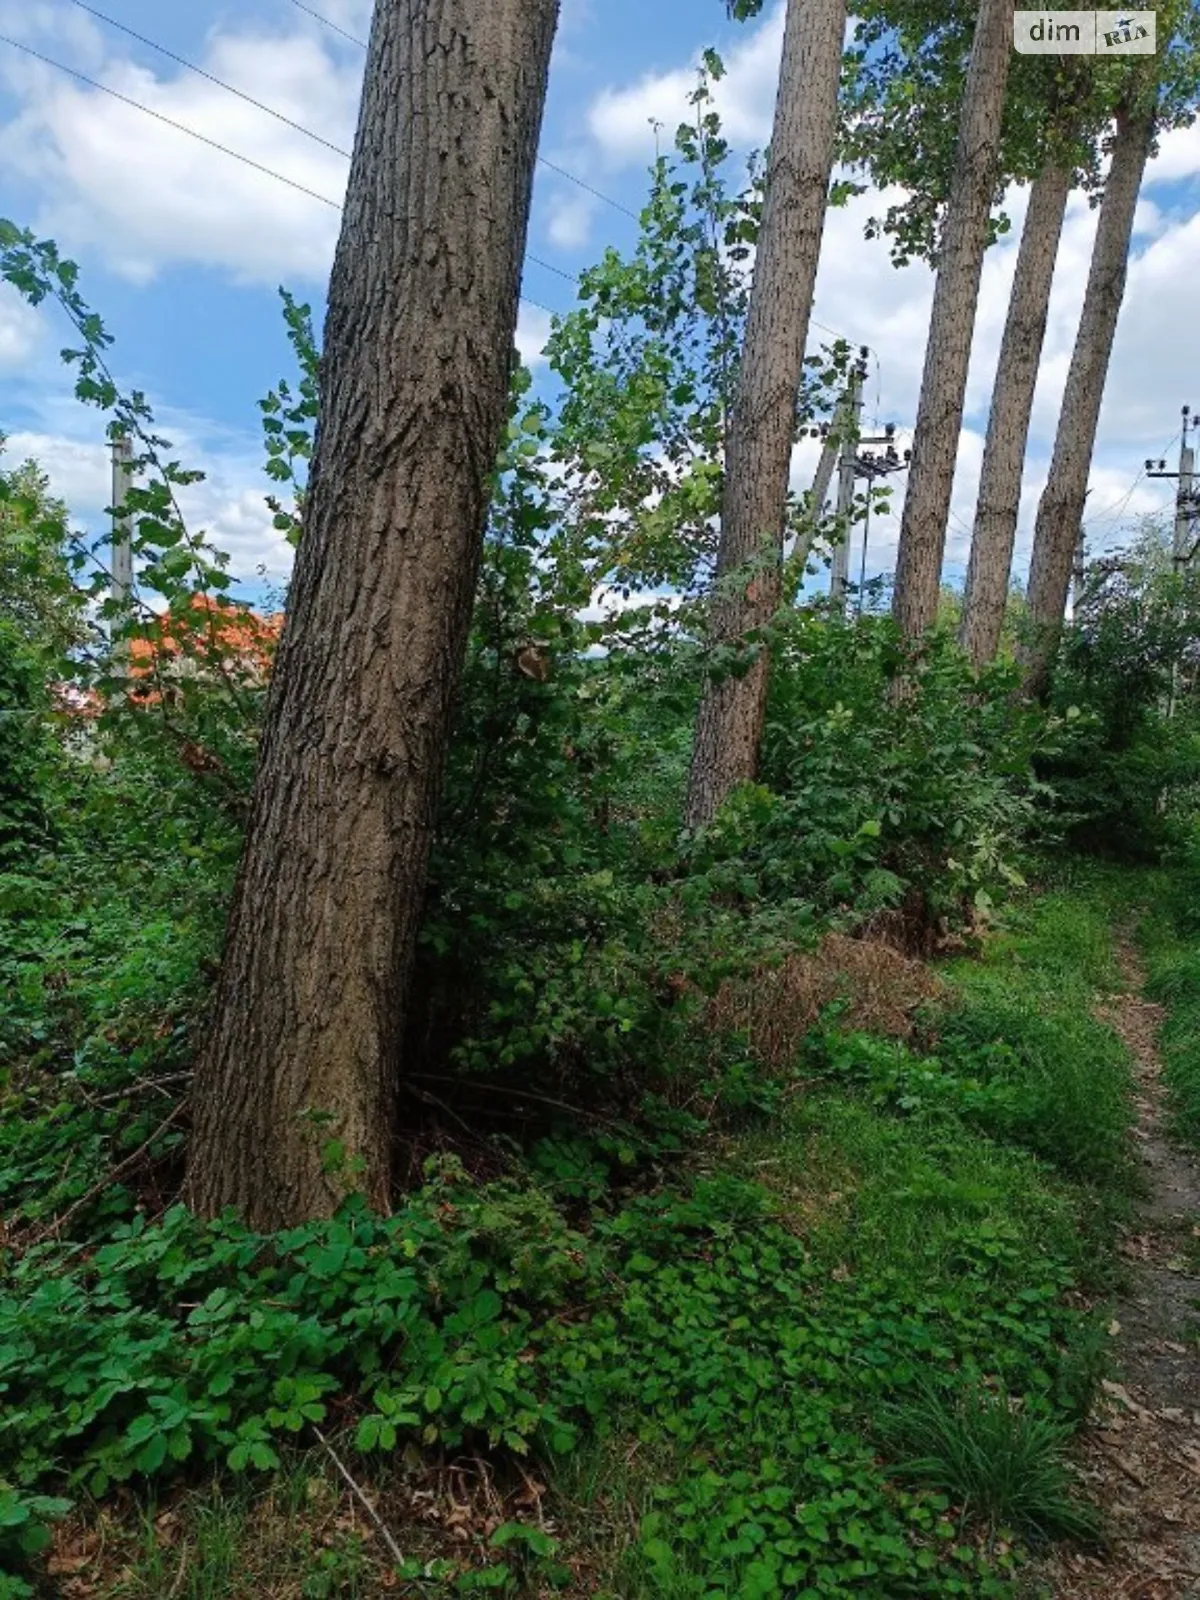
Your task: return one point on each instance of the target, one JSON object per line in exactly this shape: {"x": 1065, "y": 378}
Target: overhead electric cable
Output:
{"x": 297, "y": 127}
{"x": 543, "y": 161}
{"x": 213, "y": 144}
{"x": 170, "y": 122}
{"x": 329, "y": 23}
{"x": 202, "y": 72}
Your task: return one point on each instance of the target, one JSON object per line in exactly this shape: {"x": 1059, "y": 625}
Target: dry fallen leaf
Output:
{"x": 1118, "y": 1391}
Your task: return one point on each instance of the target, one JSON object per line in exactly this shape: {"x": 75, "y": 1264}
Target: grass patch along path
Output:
{"x": 1141, "y": 1451}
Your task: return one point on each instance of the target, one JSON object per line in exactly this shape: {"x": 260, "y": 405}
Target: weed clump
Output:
{"x": 999, "y": 1461}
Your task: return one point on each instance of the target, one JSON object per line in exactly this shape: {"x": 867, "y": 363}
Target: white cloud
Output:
{"x": 533, "y": 330}
{"x": 20, "y": 330}
{"x": 569, "y": 220}
{"x": 79, "y": 471}
{"x": 228, "y": 506}
{"x": 1178, "y": 156}
{"x": 621, "y": 121}
{"x": 142, "y": 195}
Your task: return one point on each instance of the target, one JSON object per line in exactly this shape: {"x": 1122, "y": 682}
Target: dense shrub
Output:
{"x": 1175, "y": 981}
{"x": 27, "y": 752}
{"x": 1127, "y": 775}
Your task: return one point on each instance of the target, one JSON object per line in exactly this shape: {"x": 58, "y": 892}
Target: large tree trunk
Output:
{"x": 746, "y": 594}
{"x": 296, "y": 1082}
{"x": 1060, "y": 511}
{"x": 952, "y": 323}
{"x": 1008, "y": 425}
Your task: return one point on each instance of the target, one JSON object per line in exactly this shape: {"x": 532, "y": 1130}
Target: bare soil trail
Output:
{"x": 1140, "y": 1454}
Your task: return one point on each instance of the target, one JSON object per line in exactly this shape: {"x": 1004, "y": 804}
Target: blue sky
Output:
{"x": 181, "y": 248}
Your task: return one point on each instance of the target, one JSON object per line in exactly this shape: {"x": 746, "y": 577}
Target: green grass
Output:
{"x": 294, "y": 1537}
{"x": 1003, "y": 1464}
{"x": 910, "y": 1234}
{"x": 909, "y": 1229}
{"x": 1172, "y": 947}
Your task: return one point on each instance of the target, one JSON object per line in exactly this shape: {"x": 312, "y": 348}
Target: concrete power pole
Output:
{"x": 1186, "y": 538}
{"x": 122, "y": 532}
{"x": 840, "y": 571}
{"x": 816, "y": 497}
{"x": 824, "y": 477}
{"x": 1183, "y": 545}
{"x": 819, "y": 492}
{"x": 1078, "y": 568}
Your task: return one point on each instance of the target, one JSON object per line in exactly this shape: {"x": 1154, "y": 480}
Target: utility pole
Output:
{"x": 840, "y": 571}
{"x": 824, "y": 477}
{"x": 1182, "y": 548}
{"x": 122, "y": 534}
{"x": 1186, "y": 538}
{"x": 833, "y": 443}
{"x": 1078, "y": 567}
{"x": 871, "y": 466}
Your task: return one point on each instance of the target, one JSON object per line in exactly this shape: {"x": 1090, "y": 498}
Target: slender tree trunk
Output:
{"x": 763, "y": 426}
{"x": 1060, "y": 510}
{"x": 296, "y": 1083}
{"x": 1008, "y": 425}
{"x": 952, "y": 324}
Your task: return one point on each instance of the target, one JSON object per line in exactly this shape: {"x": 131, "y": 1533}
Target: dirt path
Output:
{"x": 1141, "y": 1452}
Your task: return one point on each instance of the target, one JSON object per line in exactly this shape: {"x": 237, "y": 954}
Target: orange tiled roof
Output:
{"x": 209, "y": 624}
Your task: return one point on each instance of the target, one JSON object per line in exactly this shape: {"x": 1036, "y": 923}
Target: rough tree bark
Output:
{"x": 999, "y": 499}
{"x": 952, "y": 323}
{"x": 762, "y": 429}
{"x": 1060, "y": 510}
{"x": 296, "y": 1082}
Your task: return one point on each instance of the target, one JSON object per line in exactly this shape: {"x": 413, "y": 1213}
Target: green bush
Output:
{"x": 1055, "y": 1081}
{"x": 27, "y": 753}
{"x": 1175, "y": 982}
{"x": 184, "y": 1340}
{"x": 1127, "y": 770}
{"x": 924, "y": 799}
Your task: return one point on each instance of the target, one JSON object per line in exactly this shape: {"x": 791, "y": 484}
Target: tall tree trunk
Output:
{"x": 296, "y": 1082}
{"x": 952, "y": 323}
{"x": 746, "y": 594}
{"x": 1060, "y": 510}
{"x": 1008, "y": 425}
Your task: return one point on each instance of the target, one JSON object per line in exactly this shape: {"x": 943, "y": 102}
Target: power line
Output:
{"x": 270, "y": 111}
{"x": 549, "y": 267}
{"x": 353, "y": 38}
{"x": 1111, "y": 513}
{"x": 158, "y": 117}
{"x": 543, "y": 161}
{"x": 308, "y": 133}
{"x": 220, "y": 82}
{"x": 212, "y": 144}
{"x": 298, "y": 127}
{"x": 250, "y": 100}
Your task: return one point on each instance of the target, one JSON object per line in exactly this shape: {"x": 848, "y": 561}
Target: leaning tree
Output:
{"x": 748, "y": 583}
{"x": 962, "y": 244}
{"x": 296, "y": 1081}
{"x": 1151, "y": 94}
